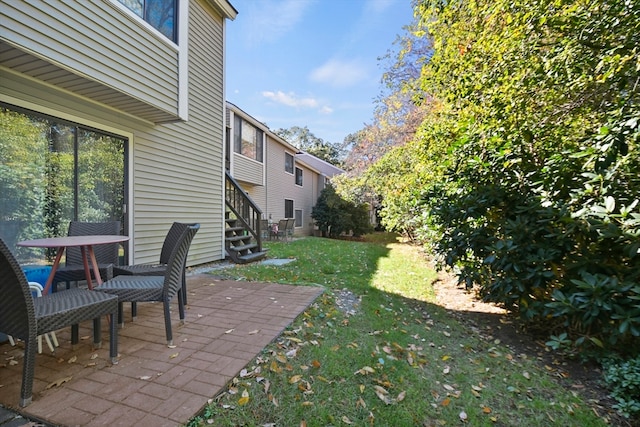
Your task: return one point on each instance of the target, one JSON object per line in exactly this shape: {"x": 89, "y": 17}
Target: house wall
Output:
{"x": 248, "y": 170}
{"x": 176, "y": 171}
{"x": 101, "y": 42}
{"x": 280, "y": 185}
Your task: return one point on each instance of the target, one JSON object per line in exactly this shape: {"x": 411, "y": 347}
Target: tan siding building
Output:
{"x": 292, "y": 180}
{"x": 96, "y": 64}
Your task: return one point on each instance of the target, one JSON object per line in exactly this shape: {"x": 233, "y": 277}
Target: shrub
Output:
{"x": 623, "y": 379}
{"x": 335, "y": 216}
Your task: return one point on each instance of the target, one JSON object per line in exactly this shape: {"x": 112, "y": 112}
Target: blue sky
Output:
{"x": 311, "y": 63}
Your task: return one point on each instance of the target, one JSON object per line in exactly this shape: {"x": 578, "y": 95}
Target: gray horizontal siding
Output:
{"x": 247, "y": 170}
{"x": 97, "y": 41}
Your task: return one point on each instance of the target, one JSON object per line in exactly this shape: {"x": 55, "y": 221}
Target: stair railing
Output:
{"x": 244, "y": 208}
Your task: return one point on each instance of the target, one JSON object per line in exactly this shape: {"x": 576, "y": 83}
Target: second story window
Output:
{"x": 299, "y": 177}
{"x": 247, "y": 139}
{"x": 288, "y": 163}
{"x": 160, "y": 14}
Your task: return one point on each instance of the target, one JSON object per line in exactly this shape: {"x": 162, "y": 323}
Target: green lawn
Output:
{"x": 400, "y": 360}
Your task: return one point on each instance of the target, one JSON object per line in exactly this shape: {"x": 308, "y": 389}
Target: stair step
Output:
{"x": 254, "y": 256}
{"x": 233, "y": 229}
{"x": 232, "y": 239}
{"x": 243, "y": 247}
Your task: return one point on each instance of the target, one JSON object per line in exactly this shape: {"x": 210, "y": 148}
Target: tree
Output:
{"x": 335, "y": 216}
{"x": 538, "y": 204}
{"x": 304, "y": 140}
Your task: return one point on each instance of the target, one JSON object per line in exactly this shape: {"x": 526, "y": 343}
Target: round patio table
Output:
{"x": 86, "y": 244}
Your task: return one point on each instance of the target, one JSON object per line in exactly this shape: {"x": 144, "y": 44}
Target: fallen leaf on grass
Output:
{"x": 364, "y": 371}
{"x": 346, "y": 420}
{"x": 463, "y": 416}
{"x": 294, "y": 379}
{"x": 401, "y": 396}
{"x": 273, "y": 400}
{"x": 382, "y": 394}
{"x": 360, "y": 402}
{"x": 244, "y": 399}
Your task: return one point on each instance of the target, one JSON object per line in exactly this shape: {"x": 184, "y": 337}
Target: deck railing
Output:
{"x": 244, "y": 208}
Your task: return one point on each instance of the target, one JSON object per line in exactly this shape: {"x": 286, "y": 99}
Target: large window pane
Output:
{"x": 100, "y": 177}
{"x": 160, "y": 14}
{"x": 52, "y": 172}
{"x": 247, "y": 139}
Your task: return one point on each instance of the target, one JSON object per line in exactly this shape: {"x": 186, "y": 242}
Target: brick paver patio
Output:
{"x": 227, "y": 324}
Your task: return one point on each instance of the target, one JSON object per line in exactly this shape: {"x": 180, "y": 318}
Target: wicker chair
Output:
{"x": 170, "y": 241}
{"x": 282, "y": 229}
{"x": 265, "y": 230}
{"x": 291, "y": 222}
{"x": 25, "y": 317}
{"x": 156, "y": 288}
{"x": 106, "y": 255}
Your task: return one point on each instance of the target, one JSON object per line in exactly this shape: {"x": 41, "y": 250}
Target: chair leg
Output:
{"x": 113, "y": 339}
{"x": 134, "y": 311}
{"x": 97, "y": 332}
{"x": 181, "y": 307}
{"x": 121, "y": 313}
{"x": 184, "y": 286}
{"x": 167, "y": 323}
{"x": 75, "y": 335}
{"x": 54, "y": 339}
{"x": 49, "y": 338}
{"x": 26, "y": 391}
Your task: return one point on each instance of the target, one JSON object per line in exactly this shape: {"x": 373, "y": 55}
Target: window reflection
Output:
{"x": 160, "y": 14}
{"x": 52, "y": 172}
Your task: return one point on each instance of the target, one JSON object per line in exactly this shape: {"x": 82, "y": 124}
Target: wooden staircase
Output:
{"x": 243, "y": 236}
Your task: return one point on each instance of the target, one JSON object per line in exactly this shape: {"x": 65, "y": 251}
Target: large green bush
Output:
{"x": 534, "y": 201}
{"x": 335, "y": 216}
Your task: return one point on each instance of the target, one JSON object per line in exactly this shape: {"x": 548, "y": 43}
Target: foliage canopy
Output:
{"x": 522, "y": 175}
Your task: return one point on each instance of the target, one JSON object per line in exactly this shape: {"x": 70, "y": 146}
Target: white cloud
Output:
{"x": 290, "y": 99}
{"x": 380, "y": 6}
{"x": 269, "y": 20}
{"x": 340, "y": 74}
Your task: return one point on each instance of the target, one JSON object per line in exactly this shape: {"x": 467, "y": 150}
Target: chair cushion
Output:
{"x": 135, "y": 288}
{"x": 140, "y": 269}
{"x": 60, "y": 309}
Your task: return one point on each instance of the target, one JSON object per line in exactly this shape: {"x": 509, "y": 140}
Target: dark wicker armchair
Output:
{"x": 157, "y": 288}
{"x": 25, "y": 317}
{"x": 106, "y": 255}
{"x": 170, "y": 242}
